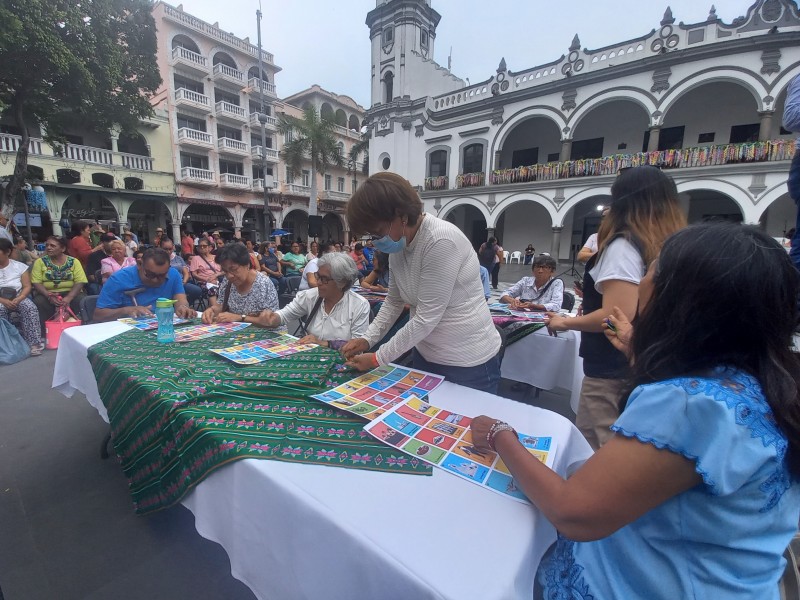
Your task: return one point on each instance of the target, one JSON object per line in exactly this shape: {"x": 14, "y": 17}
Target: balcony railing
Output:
{"x": 705, "y": 156}
{"x": 97, "y": 156}
{"x": 347, "y": 132}
{"x": 226, "y": 109}
{"x": 271, "y": 153}
{"x": 270, "y": 122}
{"x": 231, "y": 145}
{"x": 258, "y": 184}
{"x": 300, "y": 190}
{"x": 137, "y": 162}
{"x": 194, "y": 136}
{"x": 470, "y": 180}
{"x": 229, "y": 73}
{"x": 184, "y": 96}
{"x": 11, "y": 143}
{"x": 197, "y": 175}
{"x": 234, "y": 180}
{"x": 334, "y": 196}
{"x": 193, "y": 59}
{"x": 266, "y": 87}
{"x": 436, "y": 183}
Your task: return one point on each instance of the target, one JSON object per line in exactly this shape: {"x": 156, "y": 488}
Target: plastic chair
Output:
{"x": 516, "y": 255}
{"x": 789, "y": 584}
{"x": 506, "y": 254}
{"x": 292, "y": 286}
{"x": 88, "y": 304}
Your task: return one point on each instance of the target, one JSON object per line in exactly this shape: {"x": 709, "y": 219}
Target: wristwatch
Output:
{"x": 243, "y": 318}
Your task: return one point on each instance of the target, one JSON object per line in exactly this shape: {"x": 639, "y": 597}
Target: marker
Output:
{"x": 610, "y": 325}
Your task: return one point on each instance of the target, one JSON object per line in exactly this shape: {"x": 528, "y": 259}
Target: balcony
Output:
{"x": 87, "y": 154}
{"x": 11, "y": 143}
{"x": 136, "y": 162}
{"x": 271, "y": 123}
{"x": 466, "y": 180}
{"x": 198, "y": 176}
{"x": 297, "y": 189}
{"x": 258, "y": 184}
{"x": 351, "y": 133}
{"x": 190, "y": 99}
{"x": 231, "y": 112}
{"x": 256, "y": 152}
{"x": 265, "y": 87}
{"x": 334, "y": 196}
{"x": 194, "y": 137}
{"x": 231, "y": 146}
{"x": 436, "y": 183}
{"x": 225, "y": 74}
{"x": 192, "y": 60}
{"x": 231, "y": 180}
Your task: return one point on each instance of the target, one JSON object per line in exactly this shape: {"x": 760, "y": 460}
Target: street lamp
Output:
{"x": 269, "y": 218}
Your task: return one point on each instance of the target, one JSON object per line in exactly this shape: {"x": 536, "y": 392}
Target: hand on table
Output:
{"x": 362, "y": 362}
{"x": 480, "y": 427}
{"x": 208, "y": 316}
{"x": 184, "y": 311}
{"x": 555, "y": 324}
{"x": 312, "y": 339}
{"x": 138, "y": 311}
{"x": 354, "y": 347}
{"x": 227, "y": 317}
{"x": 621, "y": 338}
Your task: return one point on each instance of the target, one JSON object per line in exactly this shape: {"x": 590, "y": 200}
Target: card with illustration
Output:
{"x": 259, "y": 351}
{"x": 198, "y": 332}
{"x": 372, "y": 394}
{"x": 443, "y": 438}
{"x": 147, "y": 323}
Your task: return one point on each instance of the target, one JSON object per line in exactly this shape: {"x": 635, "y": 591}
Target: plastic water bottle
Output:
{"x": 164, "y": 314}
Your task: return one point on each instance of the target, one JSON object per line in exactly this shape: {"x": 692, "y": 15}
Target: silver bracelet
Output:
{"x": 496, "y": 428}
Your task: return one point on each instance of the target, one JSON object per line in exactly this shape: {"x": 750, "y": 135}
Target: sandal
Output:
{"x": 37, "y": 350}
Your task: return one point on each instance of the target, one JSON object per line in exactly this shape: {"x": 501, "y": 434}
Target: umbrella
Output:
{"x": 280, "y": 232}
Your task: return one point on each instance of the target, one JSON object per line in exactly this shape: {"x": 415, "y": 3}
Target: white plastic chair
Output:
{"x": 516, "y": 255}
{"x": 505, "y": 256}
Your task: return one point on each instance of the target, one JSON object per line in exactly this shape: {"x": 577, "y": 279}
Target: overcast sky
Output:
{"x": 326, "y": 41}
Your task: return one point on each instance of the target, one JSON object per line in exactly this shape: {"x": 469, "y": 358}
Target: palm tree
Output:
{"x": 312, "y": 139}
{"x": 359, "y": 148}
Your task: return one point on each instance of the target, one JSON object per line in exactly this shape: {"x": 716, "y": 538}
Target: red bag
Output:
{"x": 55, "y": 325}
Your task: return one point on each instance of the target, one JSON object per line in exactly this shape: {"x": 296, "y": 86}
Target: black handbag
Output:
{"x": 8, "y": 293}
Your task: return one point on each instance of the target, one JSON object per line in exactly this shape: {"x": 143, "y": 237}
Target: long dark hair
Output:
{"x": 724, "y": 294}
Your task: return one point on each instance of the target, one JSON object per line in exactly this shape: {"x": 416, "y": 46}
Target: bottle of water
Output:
{"x": 164, "y": 314}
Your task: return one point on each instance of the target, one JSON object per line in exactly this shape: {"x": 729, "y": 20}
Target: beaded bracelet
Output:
{"x": 496, "y": 428}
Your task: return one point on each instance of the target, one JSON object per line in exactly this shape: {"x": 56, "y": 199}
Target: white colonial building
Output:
{"x": 529, "y": 154}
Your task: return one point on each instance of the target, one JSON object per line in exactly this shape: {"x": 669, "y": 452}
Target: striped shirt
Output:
{"x": 437, "y": 275}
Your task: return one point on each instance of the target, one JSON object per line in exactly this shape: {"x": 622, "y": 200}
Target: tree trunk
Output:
{"x": 312, "y": 200}
{"x": 16, "y": 181}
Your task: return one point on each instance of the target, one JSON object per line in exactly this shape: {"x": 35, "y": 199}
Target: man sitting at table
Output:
{"x": 540, "y": 292}
{"x": 133, "y": 291}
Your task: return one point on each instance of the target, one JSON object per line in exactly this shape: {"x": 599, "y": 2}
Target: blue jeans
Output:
{"x": 193, "y": 292}
{"x": 793, "y": 183}
{"x": 279, "y": 283}
{"x": 485, "y": 377}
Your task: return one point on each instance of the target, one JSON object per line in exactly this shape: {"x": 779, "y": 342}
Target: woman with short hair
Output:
{"x": 15, "y": 291}
{"x": 244, "y": 293}
{"x": 58, "y": 280}
{"x": 435, "y": 271}
{"x": 540, "y": 292}
{"x": 330, "y": 312}
{"x": 111, "y": 264}
{"x": 80, "y": 241}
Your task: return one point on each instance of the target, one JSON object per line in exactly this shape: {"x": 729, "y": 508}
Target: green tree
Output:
{"x": 360, "y": 148}
{"x": 66, "y": 61}
{"x": 311, "y": 139}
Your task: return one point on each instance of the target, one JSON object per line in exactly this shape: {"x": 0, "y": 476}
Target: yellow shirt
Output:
{"x": 57, "y": 278}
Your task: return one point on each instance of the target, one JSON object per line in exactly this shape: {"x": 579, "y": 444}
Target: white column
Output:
{"x": 176, "y": 232}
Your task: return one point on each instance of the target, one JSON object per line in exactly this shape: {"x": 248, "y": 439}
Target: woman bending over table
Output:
{"x": 244, "y": 293}
{"x": 15, "y": 290}
{"x": 330, "y": 312}
{"x": 435, "y": 271}
{"x": 644, "y": 212}
{"x": 697, "y": 494}
{"x": 58, "y": 280}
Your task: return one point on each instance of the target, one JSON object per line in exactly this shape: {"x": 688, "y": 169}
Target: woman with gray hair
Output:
{"x": 330, "y": 314}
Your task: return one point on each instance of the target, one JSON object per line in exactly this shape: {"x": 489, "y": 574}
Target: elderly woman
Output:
{"x": 330, "y": 312}
{"x": 540, "y": 292}
{"x": 111, "y": 264}
{"x": 294, "y": 261}
{"x": 204, "y": 267}
{"x": 435, "y": 271}
{"x": 58, "y": 280}
{"x": 244, "y": 293}
{"x": 15, "y": 290}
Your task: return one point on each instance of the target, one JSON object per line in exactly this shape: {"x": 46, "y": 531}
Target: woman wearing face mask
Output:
{"x": 435, "y": 271}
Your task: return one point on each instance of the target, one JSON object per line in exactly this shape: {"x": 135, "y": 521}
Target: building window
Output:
{"x": 706, "y": 138}
{"x": 234, "y": 168}
{"x": 388, "y": 87}
{"x": 423, "y": 40}
{"x": 473, "y": 158}
{"x": 742, "y": 134}
{"x": 223, "y": 96}
{"x": 340, "y": 184}
{"x": 437, "y": 163}
{"x": 306, "y": 178}
{"x": 190, "y": 123}
{"x": 289, "y": 176}
{"x": 388, "y": 36}
{"x": 288, "y": 136}
{"x": 592, "y": 148}
{"x": 353, "y": 186}
{"x": 327, "y": 183}
{"x": 188, "y": 84}
{"x": 524, "y": 157}
{"x": 229, "y": 132}
{"x": 193, "y": 161}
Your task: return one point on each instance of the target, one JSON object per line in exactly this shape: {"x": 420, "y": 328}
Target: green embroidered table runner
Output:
{"x": 178, "y": 412}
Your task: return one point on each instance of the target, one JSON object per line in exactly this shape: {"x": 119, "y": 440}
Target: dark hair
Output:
{"x": 159, "y": 256}
{"x": 544, "y": 260}
{"x": 325, "y": 247}
{"x": 359, "y": 246}
{"x": 138, "y": 252}
{"x": 236, "y": 253}
{"x": 491, "y": 241}
{"x": 58, "y": 239}
{"x": 168, "y": 241}
{"x": 724, "y": 295}
{"x": 5, "y": 245}
{"x": 77, "y": 228}
{"x": 380, "y": 199}
{"x": 380, "y": 261}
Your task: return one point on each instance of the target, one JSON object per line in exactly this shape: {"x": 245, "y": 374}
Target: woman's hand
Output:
{"x": 312, "y": 339}
{"x": 556, "y": 323}
{"x": 9, "y": 304}
{"x": 227, "y": 317}
{"x": 354, "y": 347}
{"x": 619, "y": 331}
{"x": 480, "y": 427}
{"x": 362, "y": 362}
{"x": 55, "y": 299}
{"x": 209, "y": 315}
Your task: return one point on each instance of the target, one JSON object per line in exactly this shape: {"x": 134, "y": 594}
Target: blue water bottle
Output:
{"x": 164, "y": 314}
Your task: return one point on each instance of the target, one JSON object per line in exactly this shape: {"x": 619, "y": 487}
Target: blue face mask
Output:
{"x": 388, "y": 245}
{"x": 272, "y": 250}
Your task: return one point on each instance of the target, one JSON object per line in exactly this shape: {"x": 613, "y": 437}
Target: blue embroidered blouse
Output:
{"x": 722, "y": 539}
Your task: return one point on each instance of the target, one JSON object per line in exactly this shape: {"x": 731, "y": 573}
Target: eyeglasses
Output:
{"x": 324, "y": 280}
{"x": 154, "y": 276}
{"x": 233, "y": 269}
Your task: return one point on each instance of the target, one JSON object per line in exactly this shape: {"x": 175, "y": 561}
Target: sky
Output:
{"x": 326, "y": 41}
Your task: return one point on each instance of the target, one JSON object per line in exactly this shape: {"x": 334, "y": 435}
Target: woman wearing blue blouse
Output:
{"x": 697, "y": 495}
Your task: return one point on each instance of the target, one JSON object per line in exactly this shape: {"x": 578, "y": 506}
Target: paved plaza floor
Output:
{"x": 67, "y": 522}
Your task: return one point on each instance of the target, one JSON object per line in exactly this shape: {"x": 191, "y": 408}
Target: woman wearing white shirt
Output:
{"x": 309, "y": 279}
{"x": 330, "y": 312}
{"x": 15, "y": 283}
{"x": 644, "y": 212}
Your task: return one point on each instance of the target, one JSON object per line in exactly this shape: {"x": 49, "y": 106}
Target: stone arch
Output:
{"x": 332, "y": 228}
{"x": 223, "y": 57}
{"x": 703, "y": 192}
{"x": 340, "y": 118}
{"x": 778, "y": 215}
{"x": 204, "y": 217}
{"x": 638, "y": 97}
{"x": 741, "y": 77}
{"x": 326, "y": 112}
{"x": 296, "y": 222}
{"x": 522, "y": 219}
{"x": 451, "y": 205}
{"x": 184, "y": 41}
{"x": 253, "y": 72}
{"x": 546, "y": 112}
{"x": 579, "y": 196}
{"x": 528, "y": 196}
{"x": 582, "y": 219}
{"x": 353, "y": 123}
{"x": 471, "y": 221}
{"x": 89, "y": 206}
{"x": 144, "y": 216}
{"x": 784, "y": 78}
{"x": 133, "y": 143}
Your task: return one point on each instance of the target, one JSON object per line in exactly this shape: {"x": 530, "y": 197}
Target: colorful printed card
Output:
{"x": 147, "y": 323}
{"x": 443, "y": 439}
{"x": 373, "y": 393}
{"x": 259, "y": 351}
{"x": 199, "y": 332}
{"x": 538, "y": 317}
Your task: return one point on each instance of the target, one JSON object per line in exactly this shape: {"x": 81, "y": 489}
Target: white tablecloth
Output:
{"x": 308, "y": 531}
{"x": 546, "y": 362}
